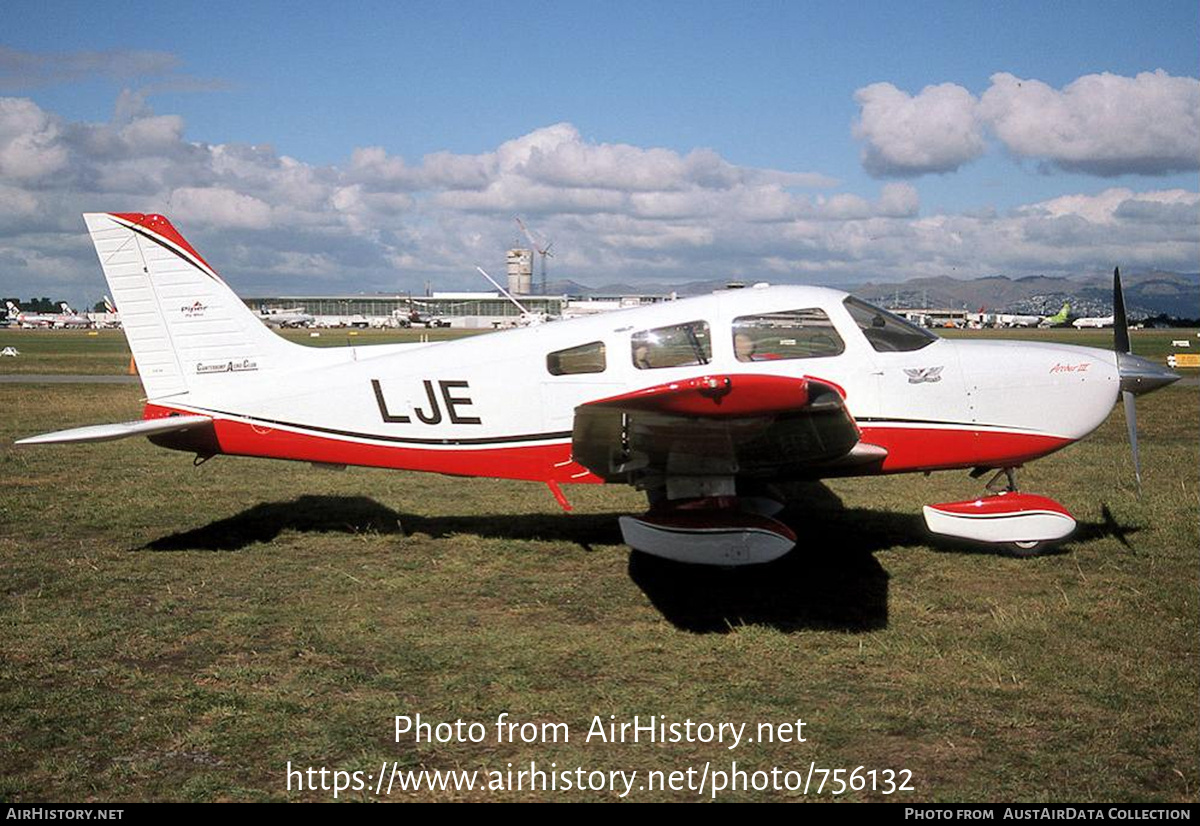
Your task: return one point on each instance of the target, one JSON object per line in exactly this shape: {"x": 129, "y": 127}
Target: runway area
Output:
{"x": 35, "y": 378}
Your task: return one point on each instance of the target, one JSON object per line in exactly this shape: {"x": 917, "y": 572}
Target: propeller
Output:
{"x": 1138, "y": 375}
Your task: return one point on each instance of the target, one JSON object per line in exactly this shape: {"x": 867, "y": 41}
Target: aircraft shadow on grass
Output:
{"x": 355, "y": 515}
{"x": 831, "y": 580}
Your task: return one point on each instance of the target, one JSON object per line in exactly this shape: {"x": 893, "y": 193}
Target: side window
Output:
{"x": 887, "y": 333}
{"x": 681, "y": 345}
{"x": 790, "y": 334}
{"x": 586, "y": 358}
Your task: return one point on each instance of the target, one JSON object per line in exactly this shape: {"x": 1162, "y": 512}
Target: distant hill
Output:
{"x": 1146, "y": 293}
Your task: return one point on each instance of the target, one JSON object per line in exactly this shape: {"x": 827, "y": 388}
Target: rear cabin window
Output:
{"x": 586, "y": 358}
{"x": 789, "y": 334}
{"x": 680, "y": 345}
{"x": 886, "y": 332}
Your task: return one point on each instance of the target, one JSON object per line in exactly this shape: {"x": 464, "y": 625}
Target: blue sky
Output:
{"x": 765, "y": 90}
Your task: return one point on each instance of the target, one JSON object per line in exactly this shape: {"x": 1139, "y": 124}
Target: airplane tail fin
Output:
{"x": 184, "y": 324}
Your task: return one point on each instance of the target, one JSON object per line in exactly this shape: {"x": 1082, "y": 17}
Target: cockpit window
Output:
{"x": 790, "y": 334}
{"x": 886, "y": 332}
{"x": 586, "y": 358}
{"x": 681, "y": 345}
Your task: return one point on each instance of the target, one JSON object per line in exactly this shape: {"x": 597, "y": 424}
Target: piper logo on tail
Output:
{"x": 191, "y": 311}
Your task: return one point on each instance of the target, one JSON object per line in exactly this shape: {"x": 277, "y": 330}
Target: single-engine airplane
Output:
{"x": 701, "y": 402}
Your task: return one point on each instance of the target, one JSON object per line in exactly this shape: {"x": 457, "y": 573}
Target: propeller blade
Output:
{"x": 1131, "y": 375}
{"x": 1120, "y": 325}
{"x": 1131, "y": 423}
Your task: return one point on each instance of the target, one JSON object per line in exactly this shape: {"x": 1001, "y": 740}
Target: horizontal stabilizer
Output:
{"x": 122, "y": 430}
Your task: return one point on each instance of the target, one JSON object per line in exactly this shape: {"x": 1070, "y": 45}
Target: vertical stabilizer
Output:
{"x": 182, "y": 321}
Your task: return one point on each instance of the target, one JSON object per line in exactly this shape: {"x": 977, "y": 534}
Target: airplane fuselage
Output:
{"x": 493, "y": 406}
{"x": 1093, "y": 323}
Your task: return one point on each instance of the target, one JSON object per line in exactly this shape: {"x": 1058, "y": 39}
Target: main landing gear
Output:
{"x": 1022, "y": 523}
{"x": 709, "y": 525}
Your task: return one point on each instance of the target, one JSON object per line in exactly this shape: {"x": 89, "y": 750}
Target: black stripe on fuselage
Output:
{"x": 482, "y": 441}
{"x": 882, "y": 420}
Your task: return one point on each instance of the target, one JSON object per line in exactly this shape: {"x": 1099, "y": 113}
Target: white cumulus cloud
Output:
{"x": 616, "y": 212}
{"x": 1100, "y": 124}
{"x": 905, "y": 135}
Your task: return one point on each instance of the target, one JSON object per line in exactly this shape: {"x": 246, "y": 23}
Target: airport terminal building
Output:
{"x": 468, "y": 310}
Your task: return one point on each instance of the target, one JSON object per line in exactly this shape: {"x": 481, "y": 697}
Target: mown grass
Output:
{"x": 101, "y": 352}
{"x": 179, "y": 633}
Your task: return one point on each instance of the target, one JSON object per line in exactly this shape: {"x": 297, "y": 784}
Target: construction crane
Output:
{"x": 542, "y": 249}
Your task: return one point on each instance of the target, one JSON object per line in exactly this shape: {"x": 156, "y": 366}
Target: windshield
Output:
{"x": 886, "y": 332}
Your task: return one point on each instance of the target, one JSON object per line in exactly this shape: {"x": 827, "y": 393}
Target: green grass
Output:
{"x": 180, "y": 633}
{"x": 105, "y": 352}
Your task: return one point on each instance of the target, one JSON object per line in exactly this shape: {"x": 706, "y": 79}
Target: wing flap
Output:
{"x": 715, "y": 397}
{"x": 120, "y": 430}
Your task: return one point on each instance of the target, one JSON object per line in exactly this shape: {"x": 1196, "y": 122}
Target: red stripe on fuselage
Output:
{"x": 537, "y": 463}
{"x": 924, "y": 448}
{"x": 909, "y": 449}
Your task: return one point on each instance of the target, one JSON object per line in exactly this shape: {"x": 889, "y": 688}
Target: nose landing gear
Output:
{"x": 1022, "y": 523}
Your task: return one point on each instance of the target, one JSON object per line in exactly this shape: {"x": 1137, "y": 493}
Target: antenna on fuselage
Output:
{"x": 506, "y": 293}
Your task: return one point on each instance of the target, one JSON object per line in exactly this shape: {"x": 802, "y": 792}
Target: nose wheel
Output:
{"x": 1025, "y": 549}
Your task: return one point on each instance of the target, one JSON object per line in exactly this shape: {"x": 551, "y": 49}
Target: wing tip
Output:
{"x": 120, "y": 430}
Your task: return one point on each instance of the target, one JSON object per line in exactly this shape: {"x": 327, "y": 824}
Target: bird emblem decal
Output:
{"x": 924, "y": 374}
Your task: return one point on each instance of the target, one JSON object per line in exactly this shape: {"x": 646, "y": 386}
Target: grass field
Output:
{"x": 180, "y": 633}
{"x": 100, "y": 352}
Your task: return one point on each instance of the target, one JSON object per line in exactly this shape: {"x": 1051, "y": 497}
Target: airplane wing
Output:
{"x": 750, "y": 426}
{"x": 122, "y": 430}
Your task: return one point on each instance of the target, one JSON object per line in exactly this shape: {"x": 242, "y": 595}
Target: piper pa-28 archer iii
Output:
{"x": 701, "y": 402}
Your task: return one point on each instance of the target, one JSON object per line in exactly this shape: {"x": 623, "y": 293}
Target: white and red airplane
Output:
{"x": 700, "y": 402}
{"x": 70, "y": 318}
{"x": 66, "y": 318}
{"x": 28, "y": 319}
